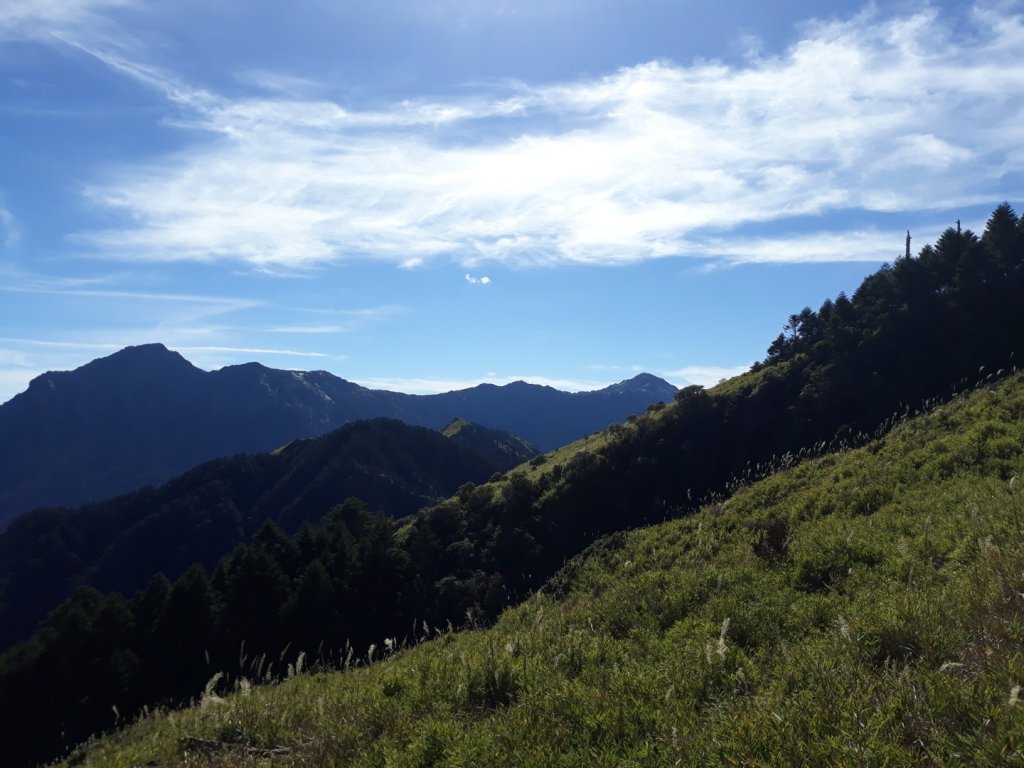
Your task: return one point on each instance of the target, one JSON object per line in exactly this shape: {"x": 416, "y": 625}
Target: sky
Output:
{"x": 422, "y": 196}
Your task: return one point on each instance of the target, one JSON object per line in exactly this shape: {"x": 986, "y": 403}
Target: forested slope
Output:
{"x": 863, "y": 608}
{"x": 119, "y": 545}
{"x": 911, "y": 335}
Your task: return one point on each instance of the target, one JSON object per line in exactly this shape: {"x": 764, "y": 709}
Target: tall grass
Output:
{"x": 859, "y": 608}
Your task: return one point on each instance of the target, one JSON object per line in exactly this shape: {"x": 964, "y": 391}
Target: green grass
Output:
{"x": 863, "y": 608}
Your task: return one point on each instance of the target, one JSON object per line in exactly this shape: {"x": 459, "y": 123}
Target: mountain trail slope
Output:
{"x": 865, "y": 607}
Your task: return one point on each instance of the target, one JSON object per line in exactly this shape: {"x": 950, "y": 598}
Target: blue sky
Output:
{"x": 423, "y": 196}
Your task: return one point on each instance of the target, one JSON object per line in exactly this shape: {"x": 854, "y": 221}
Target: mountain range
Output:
{"x": 145, "y": 414}
{"x": 204, "y": 513}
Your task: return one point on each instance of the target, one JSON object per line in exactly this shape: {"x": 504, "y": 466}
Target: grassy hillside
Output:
{"x": 862, "y": 608}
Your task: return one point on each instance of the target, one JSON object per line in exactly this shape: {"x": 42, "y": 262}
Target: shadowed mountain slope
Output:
{"x": 501, "y": 447}
{"x": 203, "y": 514}
{"x": 145, "y": 414}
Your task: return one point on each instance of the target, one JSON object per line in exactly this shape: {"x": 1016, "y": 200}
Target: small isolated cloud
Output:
{"x": 484, "y": 280}
{"x": 704, "y": 375}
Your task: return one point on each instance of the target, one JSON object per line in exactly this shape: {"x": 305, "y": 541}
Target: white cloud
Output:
{"x": 704, "y": 375}
{"x": 171, "y": 314}
{"x": 45, "y": 19}
{"x": 221, "y": 303}
{"x": 879, "y": 113}
{"x": 62, "y": 344}
{"x": 852, "y": 245}
{"x": 484, "y": 280}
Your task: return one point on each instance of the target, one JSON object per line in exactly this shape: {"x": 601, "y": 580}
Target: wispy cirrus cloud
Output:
{"x": 313, "y": 329}
{"x": 875, "y": 113}
{"x": 191, "y": 306}
{"x": 92, "y": 346}
{"x": 222, "y": 303}
{"x": 342, "y": 320}
{"x": 43, "y": 19}
{"x": 106, "y": 346}
{"x": 870, "y": 245}
{"x": 252, "y": 351}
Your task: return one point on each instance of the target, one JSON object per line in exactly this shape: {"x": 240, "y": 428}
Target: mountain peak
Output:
{"x": 455, "y": 426}
{"x": 142, "y": 354}
{"x": 643, "y": 383}
{"x": 144, "y": 359}
{"x": 133, "y": 359}
{"x": 152, "y": 348}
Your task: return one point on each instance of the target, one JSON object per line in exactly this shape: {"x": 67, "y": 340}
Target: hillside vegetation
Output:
{"x": 504, "y": 449}
{"x": 911, "y": 335}
{"x": 200, "y": 516}
{"x": 862, "y": 608}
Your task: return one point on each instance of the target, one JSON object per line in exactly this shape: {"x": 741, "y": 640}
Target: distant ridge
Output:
{"x": 496, "y": 445}
{"x": 197, "y": 517}
{"x": 145, "y": 413}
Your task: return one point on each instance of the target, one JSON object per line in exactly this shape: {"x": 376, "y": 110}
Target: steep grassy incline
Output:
{"x": 863, "y": 608}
